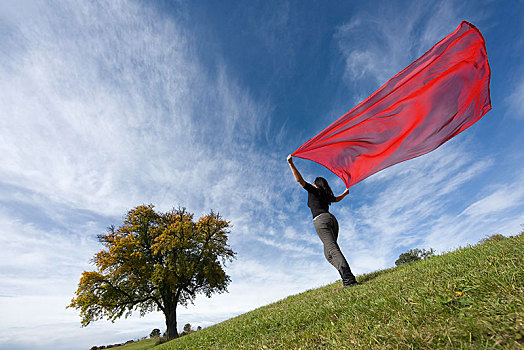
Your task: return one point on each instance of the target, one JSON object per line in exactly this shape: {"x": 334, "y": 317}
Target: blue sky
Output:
{"x": 109, "y": 105}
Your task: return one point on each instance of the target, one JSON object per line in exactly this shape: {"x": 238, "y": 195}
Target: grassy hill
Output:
{"x": 472, "y": 298}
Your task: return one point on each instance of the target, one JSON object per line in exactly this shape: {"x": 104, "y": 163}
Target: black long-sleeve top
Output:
{"x": 315, "y": 201}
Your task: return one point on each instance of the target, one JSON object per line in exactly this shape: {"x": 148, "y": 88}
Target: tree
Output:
{"x": 154, "y": 333}
{"x": 155, "y": 261}
{"x": 187, "y": 328}
{"x": 414, "y": 255}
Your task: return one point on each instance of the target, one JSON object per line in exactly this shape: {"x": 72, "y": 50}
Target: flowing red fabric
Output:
{"x": 433, "y": 99}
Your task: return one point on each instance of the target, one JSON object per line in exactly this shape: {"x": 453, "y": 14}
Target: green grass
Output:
{"x": 472, "y": 298}
{"x": 139, "y": 345}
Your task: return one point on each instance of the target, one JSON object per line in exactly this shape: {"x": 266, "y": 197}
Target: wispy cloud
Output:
{"x": 102, "y": 116}
{"x": 378, "y": 45}
{"x": 515, "y": 101}
{"x": 288, "y": 247}
{"x": 502, "y": 199}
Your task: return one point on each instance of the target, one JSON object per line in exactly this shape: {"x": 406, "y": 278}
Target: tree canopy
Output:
{"x": 153, "y": 262}
{"x": 414, "y": 255}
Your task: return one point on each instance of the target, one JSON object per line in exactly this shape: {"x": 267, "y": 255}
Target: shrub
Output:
{"x": 414, "y": 255}
{"x": 493, "y": 238}
{"x": 187, "y": 328}
{"x": 154, "y": 333}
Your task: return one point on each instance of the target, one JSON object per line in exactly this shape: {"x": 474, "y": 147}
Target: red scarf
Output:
{"x": 433, "y": 99}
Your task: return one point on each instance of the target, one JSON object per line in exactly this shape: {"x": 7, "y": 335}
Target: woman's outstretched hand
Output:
{"x": 341, "y": 197}
{"x": 295, "y": 171}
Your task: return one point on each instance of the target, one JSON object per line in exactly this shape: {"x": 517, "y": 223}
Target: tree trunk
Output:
{"x": 170, "y": 314}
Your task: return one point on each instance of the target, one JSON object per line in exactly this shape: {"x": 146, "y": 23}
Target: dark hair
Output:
{"x": 326, "y": 194}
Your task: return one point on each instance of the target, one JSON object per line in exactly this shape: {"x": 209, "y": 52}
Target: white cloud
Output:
{"x": 106, "y": 108}
{"x": 74, "y": 97}
{"x": 378, "y": 45}
{"x": 288, "y": 247}
{"x": 502, "y": 199}
{"x": 515, "y": 101}
{"x": 31, "y": 254}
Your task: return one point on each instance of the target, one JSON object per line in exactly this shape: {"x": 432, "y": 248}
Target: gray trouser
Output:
{"x": 326, "y": 226}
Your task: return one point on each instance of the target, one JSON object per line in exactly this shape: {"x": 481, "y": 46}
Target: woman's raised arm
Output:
{"x": 295, "y": 171}
{"x": 341, "y": 197}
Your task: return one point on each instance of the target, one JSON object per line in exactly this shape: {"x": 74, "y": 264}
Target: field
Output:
{"x": 140, "y": 345}
{"x": 471, "y": 298}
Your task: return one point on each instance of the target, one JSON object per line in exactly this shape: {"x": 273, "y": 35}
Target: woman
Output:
{"x": 320, "y": 196}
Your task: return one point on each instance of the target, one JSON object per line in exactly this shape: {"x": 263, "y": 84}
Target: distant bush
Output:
{"x": 110, "y": 346}
{"x": 492, "y": 238}
{"x": 154, "y": 333}
{"x": 414, "y": 255}
{"x": 187, "y": 329}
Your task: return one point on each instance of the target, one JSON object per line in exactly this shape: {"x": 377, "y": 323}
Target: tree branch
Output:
{"x": 131, "y": 299}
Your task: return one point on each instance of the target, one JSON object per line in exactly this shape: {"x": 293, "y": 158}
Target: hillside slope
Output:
{"x": 472, "y": 298}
